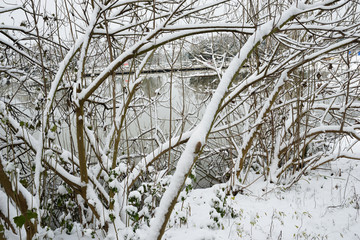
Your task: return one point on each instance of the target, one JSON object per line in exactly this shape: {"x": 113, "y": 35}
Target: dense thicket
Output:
{"x": 85, "y": 128}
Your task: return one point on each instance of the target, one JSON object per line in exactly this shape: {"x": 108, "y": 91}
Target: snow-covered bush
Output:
{"x": 143, "y": 201}
{"x": 221, "y": 209}
{"x": 180, "y": 215}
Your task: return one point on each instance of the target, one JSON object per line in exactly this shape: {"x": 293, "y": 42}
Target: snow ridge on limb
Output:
{"x": 19, "y": 196}
{"x": 79, "y": 104}
{"x": 71, "y": 180}
{"x": 201, "y": 132}
{"x": 9, "y": 9}
{"x": 129, "y": 53}
{"x": 12, "y": 46}
{"x": 8, "y": 211}
{"x": 248, "y": 139}
{"x": 350, "y": 131}
{"x": 256, "y": 77}
{"x": 81, "y": 62}
{"x": 48, "y": 105}
{"x": 62, "y": 68}
{"x": 147, "y": 44}
{"x": 29, "y": 140}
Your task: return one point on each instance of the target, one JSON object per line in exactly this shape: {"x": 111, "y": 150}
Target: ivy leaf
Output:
{"x": 30, "y": 214}
{"x": 53, "y": 129}
{"x": 112, "y": 217}
{"x": 19, "y": 220}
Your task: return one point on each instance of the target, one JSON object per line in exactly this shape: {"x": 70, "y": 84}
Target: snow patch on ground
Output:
{"x": 322, "y": 205}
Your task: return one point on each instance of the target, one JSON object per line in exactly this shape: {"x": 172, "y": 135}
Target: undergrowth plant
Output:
{"x": 143, "y": 201}
{"x": 220, "y": 209}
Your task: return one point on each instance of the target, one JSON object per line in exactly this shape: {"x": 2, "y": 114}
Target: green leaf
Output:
{"x": 112, "y": 217}
{"x": 19, "y": 220}
{"x": 24, "y": 182}
{"x": 53, "y": 129}
{"x": 30, "y": 214}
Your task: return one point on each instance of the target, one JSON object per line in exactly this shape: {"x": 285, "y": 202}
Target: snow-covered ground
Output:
{"x": 325, "y": 204}
{"x": 322, "y": 205}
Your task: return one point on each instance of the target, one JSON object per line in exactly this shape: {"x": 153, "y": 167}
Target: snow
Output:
{"x": 95, "y": 201}
{"x": 131, "y": 209}
{"x": 6, "y": 208}
{"x": 63, "y": 173}
{"x": 83, "y": 51}
{"x": 129, "y": 180}
{"x": 122, "y": 168}
{"x": 13, "y": 46}
{"x": 188, "y": 181}
{"x": 248, "y": 138}
{"x": 9, "y": 167}
{"x": 200, "y": 134}
{"x": 8, "y": 9}
{"x": 62, "y": 190}
{"x": 148, "y": 200}
{"x": 321, "y": 205}
{"x": 219, "y": 26}
{"x": 135, "y": 195}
